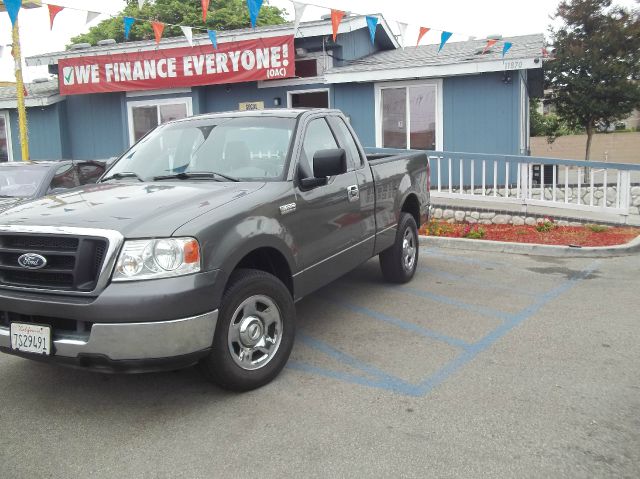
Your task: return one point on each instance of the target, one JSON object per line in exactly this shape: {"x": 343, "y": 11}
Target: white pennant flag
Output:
{"x": 299, "y": 9}
{"x": 91, "y": 16}
{"x": 188, "y": 33}
{"x": 403, "y": 33}
{"x": 140, "y": 3}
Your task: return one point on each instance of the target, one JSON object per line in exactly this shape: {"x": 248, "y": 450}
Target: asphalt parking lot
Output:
{"x": 485, "y": 365}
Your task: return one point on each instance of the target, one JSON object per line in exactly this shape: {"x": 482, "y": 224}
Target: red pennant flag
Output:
{"x": 423, "y": 32}
{"x": 205, "y": 9}
{"x": 158, "y": 28}
{"x": 336, "y": 18}
{"x": 490, "y": 43}
{"x": 53, "y": 11}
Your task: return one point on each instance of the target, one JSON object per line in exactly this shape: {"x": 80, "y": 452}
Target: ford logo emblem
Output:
{"x": 32, "y": 261}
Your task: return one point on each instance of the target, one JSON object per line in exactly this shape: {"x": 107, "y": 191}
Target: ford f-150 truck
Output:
{"x": 195, "y": 245}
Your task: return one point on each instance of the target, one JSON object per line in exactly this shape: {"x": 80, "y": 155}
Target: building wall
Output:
{"x": 356, "y": 100}
{"x": 228, "y": 97}
{"x": 47, "y": 135}
{"x": 612, "y": 147}
{"x": 97, "y": 125}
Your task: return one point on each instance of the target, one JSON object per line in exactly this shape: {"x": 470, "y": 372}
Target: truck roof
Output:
{"x": 271, "y": 112}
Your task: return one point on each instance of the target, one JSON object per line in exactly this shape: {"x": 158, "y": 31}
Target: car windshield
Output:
{"x": 21, "y": 182}
{"x": 248, "y": 149}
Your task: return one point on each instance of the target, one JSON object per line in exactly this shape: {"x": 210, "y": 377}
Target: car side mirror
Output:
{"x": 326, "y": 163}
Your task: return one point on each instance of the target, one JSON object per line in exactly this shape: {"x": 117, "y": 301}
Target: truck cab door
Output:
{"x": 326, "y": 224}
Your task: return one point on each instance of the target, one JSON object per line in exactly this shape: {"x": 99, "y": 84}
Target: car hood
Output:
{"x": 137, "y": 210}
{"x": 6, "y": 203}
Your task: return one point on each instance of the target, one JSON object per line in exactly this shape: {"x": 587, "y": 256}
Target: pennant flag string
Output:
{"x": 299, "y": 9}
{"x": 140, "y": 4}
{"x": 205, "y": 10}
{"x": 13, "y": 8}
{"x": 372, "y": 23}
{"x": 53, "y": 11}
{"x": 336, "y": 18}
{"x": 423, "y": 32}
{"x": 254, "y": 11}
{"x": 158, "y": 29}
{"x": 506, "y": 48}
{"x": 490, "y": 43}
{"x": 91, "y": 16}
{"x": 444, "y": 38}
{"x": 128, "y": 23}
{"x": 402, "y": 28}
{"x": 188, "y": 33}
{"x": 213, "y": 37}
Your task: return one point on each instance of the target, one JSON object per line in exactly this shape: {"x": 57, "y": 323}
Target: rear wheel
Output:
{"x": 255, "y": 332}
{"x": 399, "y": 262}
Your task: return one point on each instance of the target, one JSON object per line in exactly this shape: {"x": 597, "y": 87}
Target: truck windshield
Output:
{"x": 20, "y": 182}
{"x": 249, "y": 149}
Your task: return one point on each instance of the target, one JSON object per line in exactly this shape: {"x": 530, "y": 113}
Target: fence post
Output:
{"x": 524, "y": 181}
{"x": 625, "y": 191}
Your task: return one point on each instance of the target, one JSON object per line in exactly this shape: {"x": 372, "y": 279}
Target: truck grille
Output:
{"x": 73, "y": 263}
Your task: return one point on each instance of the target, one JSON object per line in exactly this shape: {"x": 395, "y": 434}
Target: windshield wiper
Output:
{"x": 124, "y": 174}
{"x": 191, "y": 175}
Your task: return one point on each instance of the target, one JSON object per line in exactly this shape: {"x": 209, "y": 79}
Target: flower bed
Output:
{"x": 546, "y": 232}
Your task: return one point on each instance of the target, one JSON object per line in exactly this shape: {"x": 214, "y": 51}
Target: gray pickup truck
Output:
{"x": 196, "y": 243}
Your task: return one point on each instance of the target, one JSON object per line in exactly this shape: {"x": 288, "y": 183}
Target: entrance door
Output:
{"x": 308, "y": 99}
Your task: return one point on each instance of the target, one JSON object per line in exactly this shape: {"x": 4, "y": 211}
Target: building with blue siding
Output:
{"x": 461, "y": 99}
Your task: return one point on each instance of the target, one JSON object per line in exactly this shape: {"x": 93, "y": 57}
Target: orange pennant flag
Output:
{"x": 205, "y": 9}
{"x": 423, "y": 32}
{"x": 53, "y": 11}
{"x": 158, "y": 29}
{"x": 336, "y": 18}
{"x": 490, "y": 43}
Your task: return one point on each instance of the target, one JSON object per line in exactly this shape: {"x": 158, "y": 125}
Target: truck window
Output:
{"x": 64, "y": 177}
{"x": 348, "y": 143}
{"x": 317, "y": 137}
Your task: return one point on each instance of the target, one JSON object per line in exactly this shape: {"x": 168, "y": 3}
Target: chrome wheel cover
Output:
{"x": 409, "y": 250}
{"x": 255, "y": 332}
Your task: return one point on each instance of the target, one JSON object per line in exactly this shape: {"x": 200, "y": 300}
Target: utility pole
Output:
{"x": 22, "y": 111}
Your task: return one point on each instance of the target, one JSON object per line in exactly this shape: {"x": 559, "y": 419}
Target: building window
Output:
{"x": 408, "y": 115}
{"x": 308, "y": 98}
{"x": 144, "y": 116}
{"x": 307, "y": 68}
{"x": 5, "y": 138}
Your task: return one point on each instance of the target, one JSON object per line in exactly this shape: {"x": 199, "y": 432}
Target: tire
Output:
{"x": 255, "y": 332}
{"x": 399, "y": 262}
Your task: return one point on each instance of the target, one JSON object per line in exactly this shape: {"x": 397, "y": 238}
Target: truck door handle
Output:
{"x": 353, "y": 193}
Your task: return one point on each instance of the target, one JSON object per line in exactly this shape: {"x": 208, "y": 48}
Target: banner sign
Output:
{"x": 233, "y": 62}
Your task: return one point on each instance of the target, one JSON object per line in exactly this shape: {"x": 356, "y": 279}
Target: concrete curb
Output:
{"x": 633, "y": 247}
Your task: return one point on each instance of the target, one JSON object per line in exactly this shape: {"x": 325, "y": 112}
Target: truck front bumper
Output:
{"x": 130, "y": 347}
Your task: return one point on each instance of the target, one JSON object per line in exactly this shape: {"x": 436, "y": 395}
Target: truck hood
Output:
{"x": 137, "y": 210}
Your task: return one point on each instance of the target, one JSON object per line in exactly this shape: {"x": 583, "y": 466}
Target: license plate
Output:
{"x": 31, "y": 338}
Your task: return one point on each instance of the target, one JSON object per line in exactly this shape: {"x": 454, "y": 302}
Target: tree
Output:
{"x": 595, "y": 73}
{"x": 223, "y": 15}
{"x": 549, "y": 125}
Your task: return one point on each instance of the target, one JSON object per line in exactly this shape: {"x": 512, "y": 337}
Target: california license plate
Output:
{"x": 31, "y": 338}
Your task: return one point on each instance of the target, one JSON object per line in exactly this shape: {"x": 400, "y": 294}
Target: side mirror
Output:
{"x": 326, "y": 163}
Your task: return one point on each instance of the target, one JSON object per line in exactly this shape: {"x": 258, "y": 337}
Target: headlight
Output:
{"x": 157, "y": 258}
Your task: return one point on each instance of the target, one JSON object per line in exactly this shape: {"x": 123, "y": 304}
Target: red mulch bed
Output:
{"x": 560, "y": 235}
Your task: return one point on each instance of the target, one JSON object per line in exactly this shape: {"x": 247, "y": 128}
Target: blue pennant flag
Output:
{"x": 213, "y": 37}
{"x": 372, "y": 22}
{"x": 128, "y": 23}
{"x": 506, "y": 48}
{"x": 13, "y": 7}
{"x": 444, "y": 38}
{"x": 254, "y": 10}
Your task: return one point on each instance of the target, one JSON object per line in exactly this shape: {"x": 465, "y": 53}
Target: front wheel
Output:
{"x": 399, "y": 262}
{"x": 255, "y": 332}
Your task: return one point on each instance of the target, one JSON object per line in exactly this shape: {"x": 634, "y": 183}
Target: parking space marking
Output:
{"x": 484, "y": 311}
{"x": 412, "y": 327}
{"x": 469, "y": 351}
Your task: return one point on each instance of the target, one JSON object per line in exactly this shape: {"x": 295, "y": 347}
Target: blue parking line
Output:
{"x": 475, "y": 282}
{"x": 345, "y": 358}
{"x": 484, "y": 311}
{"x": 414, "y": 328}
{"x": 467, "y": 356}
{"x": 469, "y": 353}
